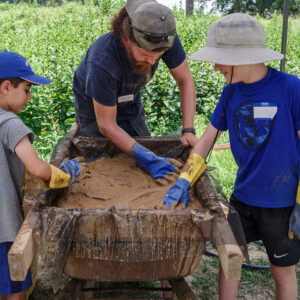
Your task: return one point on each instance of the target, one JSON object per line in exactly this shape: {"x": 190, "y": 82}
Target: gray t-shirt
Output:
{"x": 12, "y": 175}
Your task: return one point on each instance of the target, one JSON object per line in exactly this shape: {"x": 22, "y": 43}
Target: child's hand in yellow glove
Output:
{"x": 64, "y": 175}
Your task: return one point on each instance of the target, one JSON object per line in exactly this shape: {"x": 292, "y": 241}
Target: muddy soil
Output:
{"x": 120, "y": 182}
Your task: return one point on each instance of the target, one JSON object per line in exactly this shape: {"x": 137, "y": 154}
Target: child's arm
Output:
{"x": 206, "y": 141}
{"x": 57, "y": 177}
{"x": 193, "y": 168}
{"x": 31, "y": 160}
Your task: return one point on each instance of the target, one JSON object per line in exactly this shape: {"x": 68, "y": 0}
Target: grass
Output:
{"x": 254, "y": 284}
{"x": 207, "y": 282}
{"x": 295, "y": 26}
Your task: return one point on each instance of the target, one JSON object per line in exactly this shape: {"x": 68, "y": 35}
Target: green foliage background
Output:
{"x": 55, "y": 39}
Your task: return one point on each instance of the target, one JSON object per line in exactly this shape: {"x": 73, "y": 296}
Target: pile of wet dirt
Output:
{"x": 120, "y": 182}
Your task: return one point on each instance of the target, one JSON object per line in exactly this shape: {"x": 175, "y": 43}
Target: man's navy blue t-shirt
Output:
{"x": 105, "y": 74}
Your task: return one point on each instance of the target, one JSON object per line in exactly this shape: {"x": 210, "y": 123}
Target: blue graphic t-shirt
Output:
{"x": 105, "y": 75}
{"x": 262, "y": 119}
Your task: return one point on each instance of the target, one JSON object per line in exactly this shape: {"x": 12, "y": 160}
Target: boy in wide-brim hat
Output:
{"x": 260, "y": 108}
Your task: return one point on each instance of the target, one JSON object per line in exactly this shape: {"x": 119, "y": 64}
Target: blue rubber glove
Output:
{"x": 178, "y": 192}
{"x": 194, "y": 168}
{"x": 72, "y": 168}
{"x": 157, "y": 166}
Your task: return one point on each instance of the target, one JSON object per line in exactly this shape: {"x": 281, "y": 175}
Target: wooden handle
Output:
{"x": 222, "y": 147}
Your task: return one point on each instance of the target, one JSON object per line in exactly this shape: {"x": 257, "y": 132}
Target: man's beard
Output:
{"x": 138, "y": 67}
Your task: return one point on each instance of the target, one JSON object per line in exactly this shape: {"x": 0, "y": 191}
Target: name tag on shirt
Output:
{"x": 125, "y": 98}
{"x": 264, "y": 112}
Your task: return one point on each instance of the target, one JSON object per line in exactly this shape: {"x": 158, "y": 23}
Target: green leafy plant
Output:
{"x": 55, "y": 39}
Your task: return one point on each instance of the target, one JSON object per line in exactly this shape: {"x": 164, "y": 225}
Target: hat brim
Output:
{"x": 36, "y": 79}
{"x": 236, "y": 56}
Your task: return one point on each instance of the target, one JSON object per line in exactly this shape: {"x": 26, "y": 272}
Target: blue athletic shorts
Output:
{"x": 270, "y": 225}
{"x": 6, "y": 285}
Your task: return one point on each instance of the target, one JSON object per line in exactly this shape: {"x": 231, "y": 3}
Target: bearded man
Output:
{"x": 118, "y": 65}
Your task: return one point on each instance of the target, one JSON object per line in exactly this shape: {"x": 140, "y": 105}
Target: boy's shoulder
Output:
{"x": 287, "y": 77}
{"x": 6, "y": 115}
{"x": 10, "y": 122}
{"x": 12, "y": 126}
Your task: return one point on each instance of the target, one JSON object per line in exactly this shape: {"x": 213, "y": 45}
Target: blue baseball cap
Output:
{"x": 14, "y": 65}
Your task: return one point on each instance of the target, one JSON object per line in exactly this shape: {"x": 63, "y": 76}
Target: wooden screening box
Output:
{"x": 116, "y": 245}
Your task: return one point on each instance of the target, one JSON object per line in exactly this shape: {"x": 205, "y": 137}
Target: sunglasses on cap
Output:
{"x": 156, "y": 38}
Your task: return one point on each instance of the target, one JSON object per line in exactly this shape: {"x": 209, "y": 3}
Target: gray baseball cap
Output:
{"x": 236, "y": 39}
{"x": 153, "y": 24}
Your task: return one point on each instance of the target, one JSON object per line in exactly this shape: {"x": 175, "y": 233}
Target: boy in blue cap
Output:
{"x": 16, "y": 153}
{"x": 260, "y": 108}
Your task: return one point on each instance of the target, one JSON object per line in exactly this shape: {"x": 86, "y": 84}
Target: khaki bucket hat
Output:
{"x": 236, "y": 39}
{"x": 153, "y": 24}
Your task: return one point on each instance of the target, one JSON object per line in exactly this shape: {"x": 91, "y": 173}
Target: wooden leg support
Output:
{"x": 182, "y": 290}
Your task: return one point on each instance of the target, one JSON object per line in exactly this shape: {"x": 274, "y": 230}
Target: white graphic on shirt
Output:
{"x": 264, "y": 112}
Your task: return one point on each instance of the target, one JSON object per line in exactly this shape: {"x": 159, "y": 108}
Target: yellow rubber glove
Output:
{"x": 179, "y": 192}
{"x": 59, "y": 179}
{"x": 35, "y": 188}
{"x": 193, "y": 168}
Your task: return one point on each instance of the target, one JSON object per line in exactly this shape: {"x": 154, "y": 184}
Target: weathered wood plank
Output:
{"x": 230, "y": 254}
{"x": 58, "y": 227}
{"x": 229, "y": 250}
{"x": 62, "y": 150}
{"x": 21, "y": 253}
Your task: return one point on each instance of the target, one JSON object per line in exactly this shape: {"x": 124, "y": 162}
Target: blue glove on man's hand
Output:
{"x": 72, "y": 168}
{"x": 178, "y": 192}
{"x": 157, "y": 166}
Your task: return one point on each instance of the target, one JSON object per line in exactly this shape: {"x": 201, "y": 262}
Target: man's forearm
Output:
{"x": 119, "y": 138}
{"x": 188, "y": 104}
